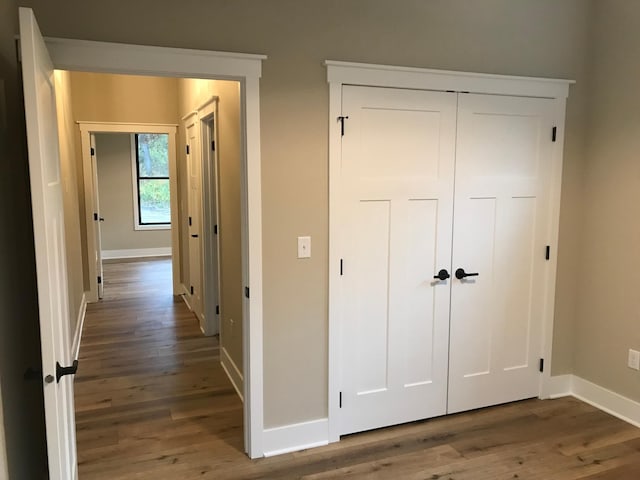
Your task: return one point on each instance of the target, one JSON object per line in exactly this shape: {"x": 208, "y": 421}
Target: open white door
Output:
{"x": 97, "y": 216}
{"x": 48, "y": 227}
{"x": 210, "y": 220}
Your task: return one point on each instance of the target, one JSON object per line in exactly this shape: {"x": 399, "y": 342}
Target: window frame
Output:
{"x": 135, "y": 180}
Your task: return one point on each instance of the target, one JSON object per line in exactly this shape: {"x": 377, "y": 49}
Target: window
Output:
{"x": 152, "y": 206}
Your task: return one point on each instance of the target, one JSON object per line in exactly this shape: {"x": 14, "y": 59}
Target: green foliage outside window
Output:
{"x": 153, "y": 178}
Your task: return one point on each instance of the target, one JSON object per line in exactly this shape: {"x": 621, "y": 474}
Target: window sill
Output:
{"x": 151, "y": 227}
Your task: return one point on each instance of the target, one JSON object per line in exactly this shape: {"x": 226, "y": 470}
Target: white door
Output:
{"x": 396, "y": 214}
{"x": 500, "y": 232}
{"x": 194, "y": 171}
{"x": 48, "y": 227}
{"x": 97, "y": 217}
{"x": 211, "y": 233}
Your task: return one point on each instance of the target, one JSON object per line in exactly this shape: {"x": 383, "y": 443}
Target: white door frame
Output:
{"x": 88, "y": 128}
{"x": 208, "y": 127}
{"x": 347, "y": 73}
{"x": 103, "y": 57}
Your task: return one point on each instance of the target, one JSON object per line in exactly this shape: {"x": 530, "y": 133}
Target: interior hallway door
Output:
{"x": 194, "y": 172}
{"x": 49, "y": 238}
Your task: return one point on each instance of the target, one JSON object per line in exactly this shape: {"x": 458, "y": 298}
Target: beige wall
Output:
{"x": 121, "y": 99}
{"x": 22, "y": 441}
{"x": 115, "y": 188}
{"x": 608, "y": 319}
{"x": 192, "y": 94}
{"x": 124, "y": 98}
{"x": 519, "y": 37}
{"x": 68, "y": 166}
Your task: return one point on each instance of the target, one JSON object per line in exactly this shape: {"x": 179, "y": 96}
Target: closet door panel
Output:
{"x": 396, "y": 215}
{"x": 500, "y": 232}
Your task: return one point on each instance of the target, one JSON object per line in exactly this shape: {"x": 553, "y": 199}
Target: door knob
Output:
{"x": 460, "y": 274}
{"x": 442, "y": 275}
{"x": 62, "y": 371}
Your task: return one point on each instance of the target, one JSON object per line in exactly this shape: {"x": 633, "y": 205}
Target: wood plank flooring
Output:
{"x": 152, "y": 402}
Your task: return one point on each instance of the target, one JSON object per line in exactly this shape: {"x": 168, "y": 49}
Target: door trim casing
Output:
{"x": 208, "y": 129}
{"x": 340, "y": 74}
{"x": 106, "y": 57}
{"x": 88, "y": 128}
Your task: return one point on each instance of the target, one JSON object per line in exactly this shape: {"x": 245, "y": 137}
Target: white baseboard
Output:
{"x": 77, "y": 336}
{"x": 299, "y": 436}
{"x": 186, "y": 296}
{"x": 613, "y": 403}
{"x": 559, "y": 386}
{"x": 136, "y": 253}
{"x": 232, "y": 371}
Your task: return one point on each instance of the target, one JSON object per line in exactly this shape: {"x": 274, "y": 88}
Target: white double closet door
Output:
{"x": 435, "y": 181}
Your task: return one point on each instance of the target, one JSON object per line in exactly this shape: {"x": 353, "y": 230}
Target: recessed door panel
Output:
{"x": 422, "y": 220}
{"x": 415, "y": 149}
{"x": 372, "y": 232}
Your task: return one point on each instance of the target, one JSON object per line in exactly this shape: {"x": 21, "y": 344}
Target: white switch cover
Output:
{"x": 304, "y": 247}
{"x": 634, "y": 359}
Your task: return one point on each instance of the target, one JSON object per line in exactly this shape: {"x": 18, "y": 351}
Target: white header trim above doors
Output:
{"x": 372, "y": 75}
{"x": 70, "y": 54}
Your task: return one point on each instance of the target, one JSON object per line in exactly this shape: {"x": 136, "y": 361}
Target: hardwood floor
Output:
{"x": 152, "y": 402}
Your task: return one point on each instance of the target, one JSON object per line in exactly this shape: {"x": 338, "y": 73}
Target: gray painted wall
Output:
{"x": 115, "y": 190}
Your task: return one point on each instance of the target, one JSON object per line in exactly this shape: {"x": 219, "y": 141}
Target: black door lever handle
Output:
{"x": 194, "y": 235}
{"x": 442, "y": 275}
{"x": 460, "y": 274}
{"x": 62, "y": 371}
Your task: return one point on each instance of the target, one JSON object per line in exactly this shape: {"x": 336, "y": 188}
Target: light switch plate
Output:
{"x": 304, "y": 247}
{"x": 634, "y": 359}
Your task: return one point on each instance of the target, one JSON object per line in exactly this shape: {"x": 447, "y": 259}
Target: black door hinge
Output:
{"x": 341, "y": 119}
{"x": 187, "y": 149}
{"x": 217, "y": 309}
{"x": 95, "y": 217}
{"x": 547, "y": 255}
{"x": 215, "y": 229}
{"x": 93, "y": 151}
{"x": 213, "y": 145}
{"x": 340, "y": 401}
{"x": 341, "y": 267}
{"x": 62, "y": 371}
{"x": 191, "y": 290}
{"x": 554, "y": 134}
{"x": 189, "y": 221}
{"x": 541, "y": 365}
{"x": 99, "y": 280}
{"x": 246, "y": 292}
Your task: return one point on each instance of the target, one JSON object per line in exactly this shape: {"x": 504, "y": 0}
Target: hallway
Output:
{"x": 151, "y": 397}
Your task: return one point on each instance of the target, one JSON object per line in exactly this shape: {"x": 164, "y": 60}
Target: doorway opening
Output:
{"x": 39, "y": 59}
{"x": 154, "y": 189}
